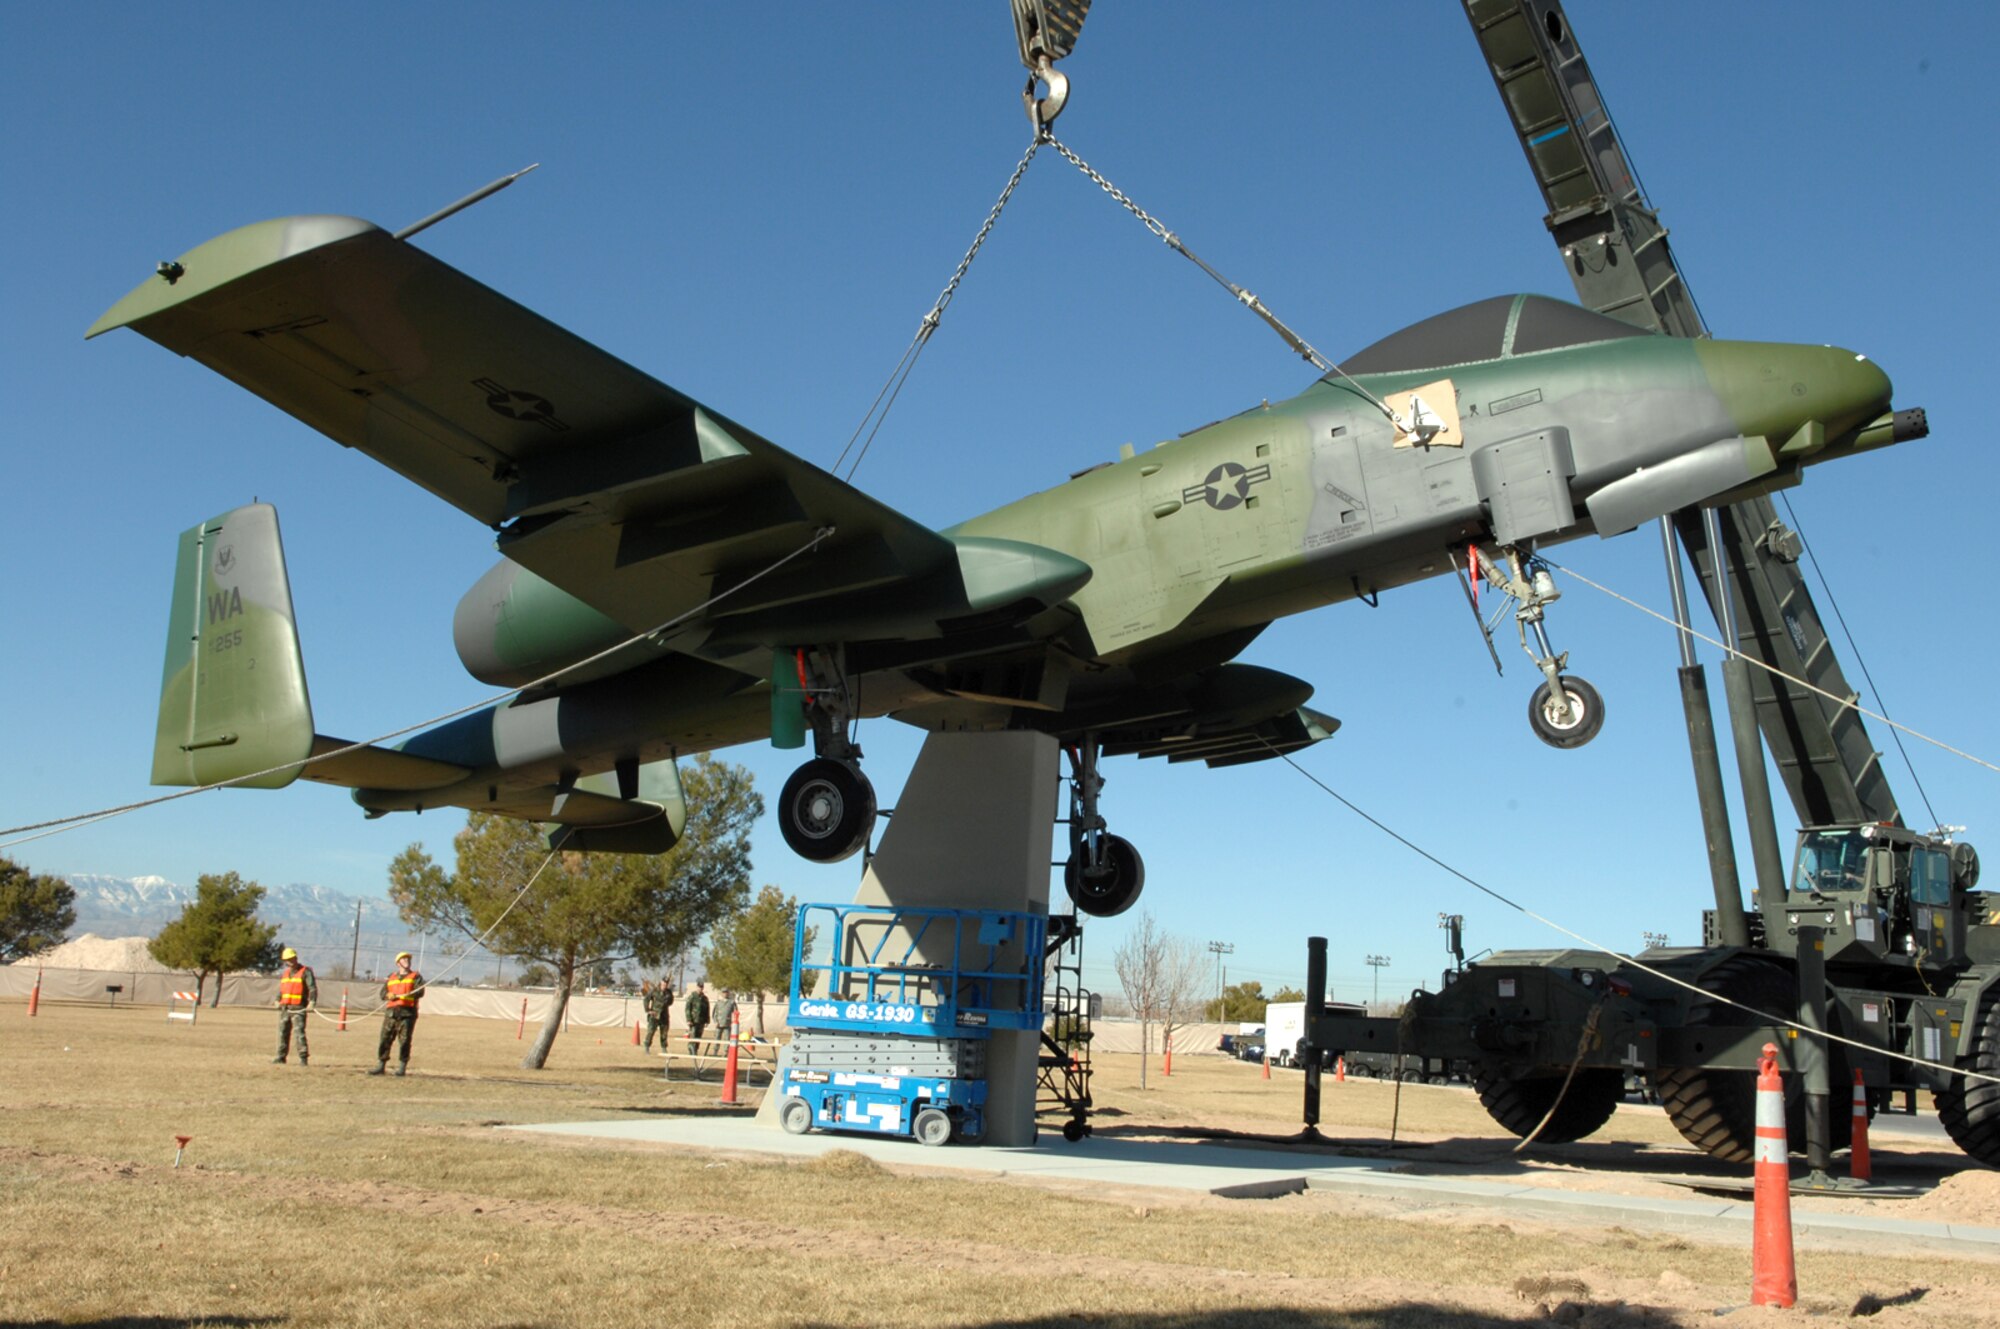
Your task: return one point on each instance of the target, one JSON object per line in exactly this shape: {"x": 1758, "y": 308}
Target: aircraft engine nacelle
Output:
{"x": 512, "y": 627}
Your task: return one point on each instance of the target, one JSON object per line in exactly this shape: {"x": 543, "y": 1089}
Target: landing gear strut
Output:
{"x": 1565, "y": 711}
{"x": 827, "y": 809}
{"x": 1104, "y": 874}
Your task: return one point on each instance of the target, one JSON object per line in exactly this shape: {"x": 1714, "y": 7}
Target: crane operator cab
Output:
{"x": 1881, "y": 893}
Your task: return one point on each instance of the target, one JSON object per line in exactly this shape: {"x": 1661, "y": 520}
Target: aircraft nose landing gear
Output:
{"x": 1566, "y": 711}
{"x": 1104, "y": 874}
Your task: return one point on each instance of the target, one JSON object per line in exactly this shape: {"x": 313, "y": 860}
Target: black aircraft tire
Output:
{"x": 1519, "y": 1105}
{"x": 1716, "y": 1110}
{"x": 1586, "y": 711}
{"x": 827, "y": 810}
{"x": 1970, "y": 1109}
{"x": 1113, "y": 892}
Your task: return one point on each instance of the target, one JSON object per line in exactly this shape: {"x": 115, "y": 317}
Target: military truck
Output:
{"x": 1883, "y": 922}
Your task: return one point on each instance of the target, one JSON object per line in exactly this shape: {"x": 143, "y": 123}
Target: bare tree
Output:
{"x": 1183, "y": 986}
{"x": 1164, "y": 977}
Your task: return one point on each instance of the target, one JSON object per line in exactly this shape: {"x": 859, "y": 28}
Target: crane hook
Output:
{"x": 1047, "y": 30}
{"x": 1042, "y": 111}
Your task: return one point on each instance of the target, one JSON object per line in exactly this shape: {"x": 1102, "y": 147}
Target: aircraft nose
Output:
{"x": 1775, "y": 390}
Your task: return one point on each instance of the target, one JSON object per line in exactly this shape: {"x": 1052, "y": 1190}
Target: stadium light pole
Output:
{"x": 1376, "y": 962}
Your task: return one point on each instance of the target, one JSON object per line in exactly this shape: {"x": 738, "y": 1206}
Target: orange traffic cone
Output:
{"x": 343, "y": 1012}
{"x": 635, "y": 1033}
{"x": 729, "y": 1064}
{"x": 35, "y": 994}
{"x": 1774, "y": 1279}
{"x": 1340, "y": 1070}
{"x": 1170, "y": 1057}
{"x": 1859, "y": 1165}
{"x": 1267, "y": 1065}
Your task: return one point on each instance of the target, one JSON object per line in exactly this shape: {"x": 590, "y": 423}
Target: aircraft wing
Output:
{"x": 599, "y": 478}
{"x": 1227, "y": 745}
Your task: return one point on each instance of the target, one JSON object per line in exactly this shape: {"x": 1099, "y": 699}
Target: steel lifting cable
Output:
{"x": 878, "y": 410}
{"x": 480, "y": 940}
{"x": 58, "y": 825}
{"x": 1303, "y": 348}
{"x": 1866, "y": 675}
{"x": 1853, "y": 703}
{"x": 1763, "y": 1017}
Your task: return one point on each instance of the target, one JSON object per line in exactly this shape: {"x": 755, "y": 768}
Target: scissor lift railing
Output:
{"x": 940, "y": 973}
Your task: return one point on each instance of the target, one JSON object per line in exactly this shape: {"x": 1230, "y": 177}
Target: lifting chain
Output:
{"x": 1249, "y": 301}
{"x": 878, "y": 410}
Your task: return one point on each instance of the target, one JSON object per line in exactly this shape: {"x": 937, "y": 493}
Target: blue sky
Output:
{"x": 758, "y": 206}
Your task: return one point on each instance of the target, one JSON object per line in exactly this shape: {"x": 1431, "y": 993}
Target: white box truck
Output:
{"x": 1284, "y": 1031}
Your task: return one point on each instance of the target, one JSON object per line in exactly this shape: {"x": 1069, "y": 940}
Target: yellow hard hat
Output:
{"x": 402, "y": 955}
{"x": 288, "y": 954}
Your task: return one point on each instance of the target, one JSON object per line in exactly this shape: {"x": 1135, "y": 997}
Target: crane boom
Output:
{"x": 1618, "y": 257}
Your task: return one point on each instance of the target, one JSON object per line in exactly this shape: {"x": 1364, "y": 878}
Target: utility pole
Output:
{"x": 1219, "y": 949}
{"x": 1376, "y": 962}
{"x": 354, "y": 961}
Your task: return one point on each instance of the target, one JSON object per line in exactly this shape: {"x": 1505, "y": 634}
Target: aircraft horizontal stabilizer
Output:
{"x": 368, "y": 767}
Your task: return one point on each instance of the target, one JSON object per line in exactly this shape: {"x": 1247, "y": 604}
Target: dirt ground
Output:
{"x": 325, "y": 1196}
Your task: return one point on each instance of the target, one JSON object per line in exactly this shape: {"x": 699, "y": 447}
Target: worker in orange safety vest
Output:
{"x": 298, "y": 993}
{"x": 400, "y": 995}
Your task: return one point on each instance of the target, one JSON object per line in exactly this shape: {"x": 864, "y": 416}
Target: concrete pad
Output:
{"x": 1240, "y": 1172}
{"x": 1215, "y": 1169}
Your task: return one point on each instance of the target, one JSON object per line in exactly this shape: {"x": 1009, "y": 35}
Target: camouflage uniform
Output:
{"x": 659, "y": 1004}
{"x": 400, "y": 994}
{"x": 298, "y": 993}
{"x": 696, "y": 1014}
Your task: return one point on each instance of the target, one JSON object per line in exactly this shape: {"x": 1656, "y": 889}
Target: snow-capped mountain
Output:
{"x": 319, "y": 922}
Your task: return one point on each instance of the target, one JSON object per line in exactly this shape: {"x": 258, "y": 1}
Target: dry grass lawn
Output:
{"x": 325, "y": 1197}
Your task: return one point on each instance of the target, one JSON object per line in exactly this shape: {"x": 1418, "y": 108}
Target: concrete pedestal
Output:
{"x": 974, "y": 829}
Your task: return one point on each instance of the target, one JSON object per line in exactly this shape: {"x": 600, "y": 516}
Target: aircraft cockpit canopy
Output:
{"x": 1488, "y": 330}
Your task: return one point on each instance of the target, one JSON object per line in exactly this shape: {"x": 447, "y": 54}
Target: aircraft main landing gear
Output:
{"x": 1104, "y": 874}
{"x": 827, "y": 809}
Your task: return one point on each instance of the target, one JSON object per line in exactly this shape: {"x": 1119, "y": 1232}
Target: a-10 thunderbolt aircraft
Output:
{"x": 758, "y": 596}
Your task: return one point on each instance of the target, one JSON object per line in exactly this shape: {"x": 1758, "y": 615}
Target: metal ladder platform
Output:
{"x": 1062, "y": 1071}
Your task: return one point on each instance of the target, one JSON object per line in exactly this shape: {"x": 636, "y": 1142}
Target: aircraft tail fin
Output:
{"x": 233, "y": 697}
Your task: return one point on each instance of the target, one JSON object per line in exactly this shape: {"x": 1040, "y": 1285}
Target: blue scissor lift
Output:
{"x": 890, "y": 1025}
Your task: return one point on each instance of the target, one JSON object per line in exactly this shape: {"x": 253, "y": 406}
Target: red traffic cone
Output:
{"x": 1859, "y": 1165}
{"x": 1774, "y": 1279}
{"x": 1340, "y": 1070}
